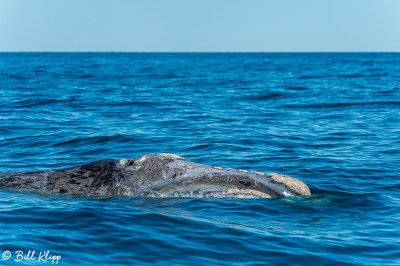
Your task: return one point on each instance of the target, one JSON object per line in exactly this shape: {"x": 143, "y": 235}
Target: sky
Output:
{"x": 200, "y": 25}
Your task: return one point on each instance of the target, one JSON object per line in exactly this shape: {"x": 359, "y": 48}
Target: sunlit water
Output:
{"x": 331, "y": 120}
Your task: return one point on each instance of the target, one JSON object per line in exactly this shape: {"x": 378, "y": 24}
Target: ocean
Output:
{"x": 329, "y": 119}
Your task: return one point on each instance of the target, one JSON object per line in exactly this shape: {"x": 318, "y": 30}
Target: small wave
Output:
{"x": 359, "y": 75}
{"x": 39, "y": 70}
{"x": 313, "y": 76}
{"x": 93, "y": 140}
{"x": 132, "y": 103}
{"x": 344, "y": 104}
{"x": 18, "y": 76}
{"x": 265, "y": 96}
{"x": 351, "y": 75}
{"x": 86, "y": 76}
{"x": 389, "y": 91}
{"x": 297, "y": 88}
{"x": 95, "y": 65}
{"x": 324, "y": 192}
{"x": 32, "y": 103}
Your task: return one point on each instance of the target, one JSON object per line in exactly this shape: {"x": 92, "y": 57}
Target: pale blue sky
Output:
{"x": 199, "y": 25}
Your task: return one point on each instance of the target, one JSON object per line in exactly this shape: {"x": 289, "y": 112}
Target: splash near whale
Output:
{"x": 162, "y": 175}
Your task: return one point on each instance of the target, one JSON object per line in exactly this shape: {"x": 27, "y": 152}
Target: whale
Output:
{"x": 154, "y": 175}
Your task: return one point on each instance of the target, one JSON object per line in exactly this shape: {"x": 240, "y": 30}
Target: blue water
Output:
{"x": 331, "y": 120}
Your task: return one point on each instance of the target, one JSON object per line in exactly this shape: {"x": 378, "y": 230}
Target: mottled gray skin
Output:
{"x": 163, "y": 175}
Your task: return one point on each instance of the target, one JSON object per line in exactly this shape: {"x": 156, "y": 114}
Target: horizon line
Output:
{"x": 187, "y": 52}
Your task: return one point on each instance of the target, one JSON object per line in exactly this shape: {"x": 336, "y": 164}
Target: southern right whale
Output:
{"x": 162, "y": 175}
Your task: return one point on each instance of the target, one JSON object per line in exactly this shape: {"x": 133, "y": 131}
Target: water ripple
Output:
{"x": 331, "y": 120}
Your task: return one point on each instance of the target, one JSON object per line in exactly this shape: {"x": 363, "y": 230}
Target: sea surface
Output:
{"x": 329, "y": 119}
